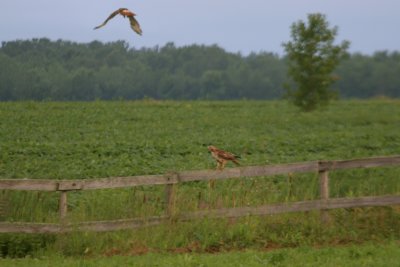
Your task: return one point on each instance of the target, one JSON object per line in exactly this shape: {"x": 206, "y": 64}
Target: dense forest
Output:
{"x": 41, "y": 69}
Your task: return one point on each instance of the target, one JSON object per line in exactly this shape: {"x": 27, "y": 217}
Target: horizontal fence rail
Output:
{"x": 189, "y": 176}
{"x": 102, "y": 226}
{"x": 170, "y": 179}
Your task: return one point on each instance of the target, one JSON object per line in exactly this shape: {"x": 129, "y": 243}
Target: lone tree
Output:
{"x": 312, "y": 57}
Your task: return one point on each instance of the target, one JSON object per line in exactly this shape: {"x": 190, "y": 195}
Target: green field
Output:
{"x": 384, "y": 255}
{"x": 99, "y": 139}
{"x": 50, "y": 140}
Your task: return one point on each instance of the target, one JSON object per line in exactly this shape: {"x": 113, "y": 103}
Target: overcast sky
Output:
{"x": 237, "y": 26}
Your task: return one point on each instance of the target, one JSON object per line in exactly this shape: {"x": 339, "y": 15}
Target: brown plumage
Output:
{"x": 222, "y": 157}
{"x": 125, "y": 13}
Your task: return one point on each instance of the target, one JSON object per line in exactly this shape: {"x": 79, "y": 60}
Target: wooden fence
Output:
{"x": 170, "y": 179}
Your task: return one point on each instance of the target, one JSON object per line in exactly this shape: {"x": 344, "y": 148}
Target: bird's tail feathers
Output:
{"x": 236, "y": 162}
{"x": 95, "y": 28}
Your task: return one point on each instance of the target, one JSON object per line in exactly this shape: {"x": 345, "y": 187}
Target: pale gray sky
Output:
{"x": 245, "y": 26}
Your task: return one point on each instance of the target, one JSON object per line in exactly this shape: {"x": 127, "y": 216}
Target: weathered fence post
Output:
{"x": 324, "y": 193}
{"x": 3, "y": 205}
{"x": 170, "y": 193}
{"x": 63, "y": 206}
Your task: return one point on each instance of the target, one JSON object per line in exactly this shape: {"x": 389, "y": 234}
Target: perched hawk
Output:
{"x": 222, "y": 157}
{"x": 126, "y": 13}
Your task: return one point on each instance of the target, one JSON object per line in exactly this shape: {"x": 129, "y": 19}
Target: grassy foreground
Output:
{"x": 387, "y": 254}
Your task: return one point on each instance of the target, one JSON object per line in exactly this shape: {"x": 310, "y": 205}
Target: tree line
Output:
{"x": 42, "y": 69}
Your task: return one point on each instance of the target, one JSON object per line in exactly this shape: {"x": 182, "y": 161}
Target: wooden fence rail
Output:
{"x": 113, "y": 225}
{"x": 169, "y": 179}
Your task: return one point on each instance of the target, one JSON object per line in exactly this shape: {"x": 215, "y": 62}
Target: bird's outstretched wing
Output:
{"x": 116, "y": 12}
{"x": 135, "y": 25}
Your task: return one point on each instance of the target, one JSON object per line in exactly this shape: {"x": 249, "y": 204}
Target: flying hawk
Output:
{"x": 222, "y": 157}
{"x": 125, "y": 13}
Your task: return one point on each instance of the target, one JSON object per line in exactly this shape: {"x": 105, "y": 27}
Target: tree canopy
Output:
{"x": 41, "y": 69}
